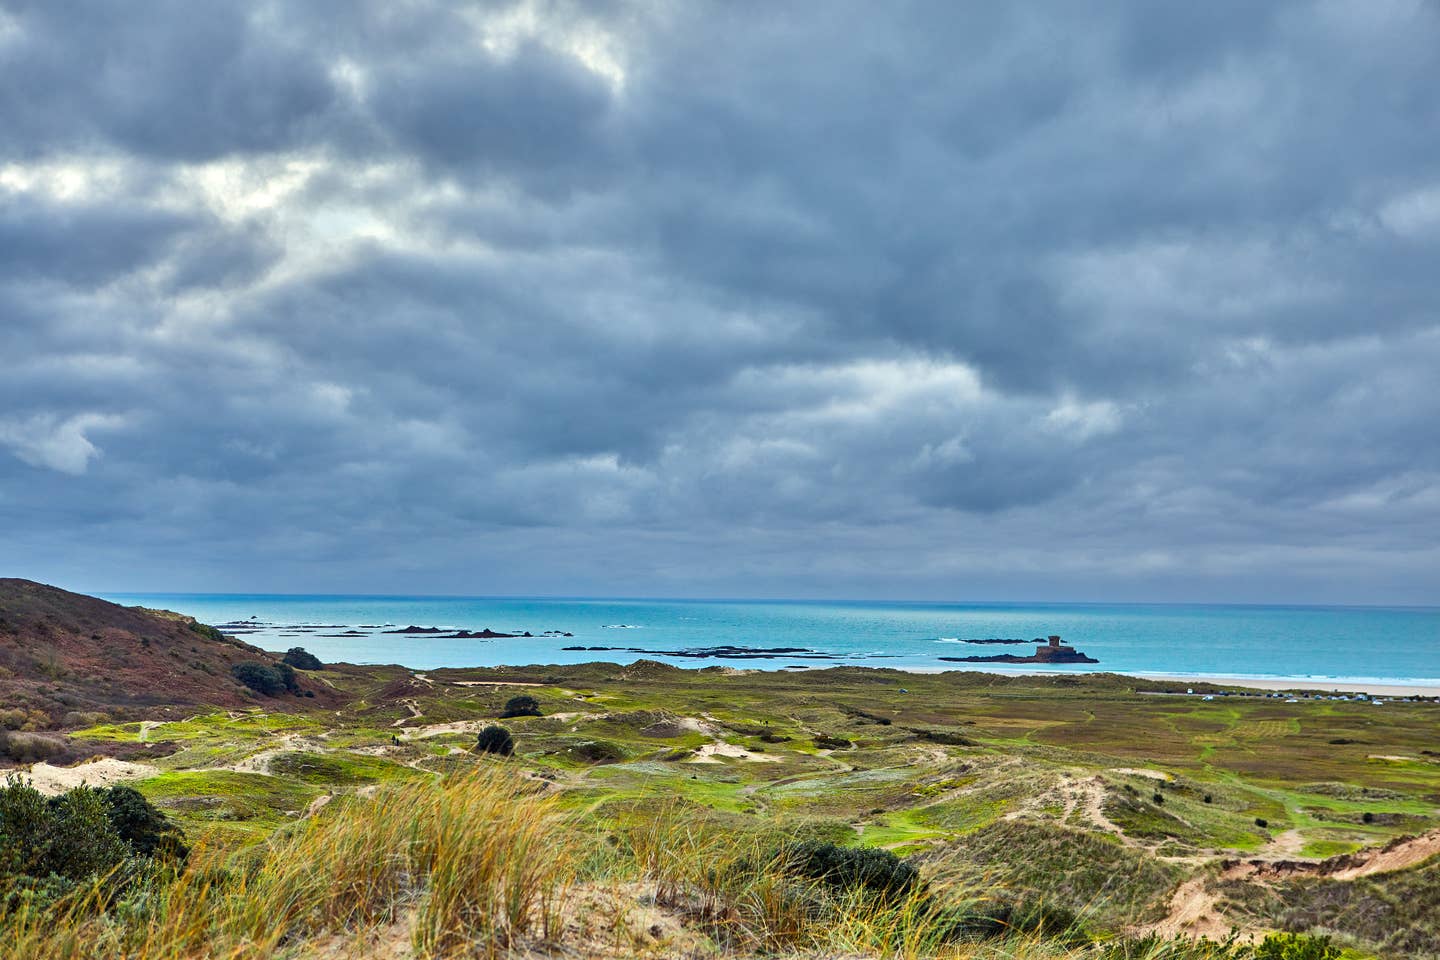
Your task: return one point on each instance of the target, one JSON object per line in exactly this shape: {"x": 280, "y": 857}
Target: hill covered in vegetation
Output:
{"x": 65, "y": 656}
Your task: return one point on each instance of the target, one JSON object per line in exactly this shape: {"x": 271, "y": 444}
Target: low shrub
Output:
{"x": 49, "y": 846}
{"x": 84, "y": 718}
{"x": 1296, "y": 946}
{"x": 597, "y": 752}
{"x": 29, "y": 747}
{"x": 495, "y": 739}
{"x": 206, "y": 631}
{"x": 302, "y": 659}
{"x": 266, "y": 679}
{"x": 1032, "y": 918}
{"x": 521, "y": 706}
{"x": 868, "y": 869}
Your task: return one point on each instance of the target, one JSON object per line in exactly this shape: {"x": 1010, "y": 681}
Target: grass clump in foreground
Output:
{"x": 470, "y": 864}
{"x": 487, "y": 865}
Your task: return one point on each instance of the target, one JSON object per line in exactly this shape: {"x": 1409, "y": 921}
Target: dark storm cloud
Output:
{"x": 1135, "y": 299}
{"x": 172, "y": 81}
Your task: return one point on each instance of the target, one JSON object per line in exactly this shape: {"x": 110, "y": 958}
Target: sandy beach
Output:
{"x": 1374, "y": 689}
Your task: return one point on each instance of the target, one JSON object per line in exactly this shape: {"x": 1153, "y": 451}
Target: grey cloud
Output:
{"x": 532, "y": 115}
{"x": 171, "y": 82}
{"x": 82, "y": 246}
{"x": 1134, "y": 300}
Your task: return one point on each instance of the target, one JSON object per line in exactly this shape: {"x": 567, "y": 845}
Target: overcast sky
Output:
{"x": 1112, "y": 301}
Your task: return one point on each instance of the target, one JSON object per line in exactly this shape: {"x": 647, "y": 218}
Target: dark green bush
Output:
{"x": 265, "y": 678}
{"x": 598, "y": 751}
{"x": 302, "y": 659}
{"x": 148, "y": 831}
{"x": 521, "y": 706}
{"x": 49, "y": 846}
{"x": 495, "y": 739}
{"x": 867, "y": 869}
{"x": 206, "y": 631}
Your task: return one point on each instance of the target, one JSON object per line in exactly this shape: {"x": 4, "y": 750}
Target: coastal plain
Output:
{"x": 1134, "y": 803}
{"x": 652, "y": 800}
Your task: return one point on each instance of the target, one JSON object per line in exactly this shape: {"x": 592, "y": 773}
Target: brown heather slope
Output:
{"x": 63, "y": 654}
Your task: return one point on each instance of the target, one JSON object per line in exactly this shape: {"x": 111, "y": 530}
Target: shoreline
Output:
{"x": 1365, "y": 685}
{"x": 1374, "y": 688}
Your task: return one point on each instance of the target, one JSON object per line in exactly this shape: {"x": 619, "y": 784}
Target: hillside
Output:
{"x": 64, "y": 655}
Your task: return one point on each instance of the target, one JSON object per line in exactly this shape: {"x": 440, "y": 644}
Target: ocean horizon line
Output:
{"x": 796, "y": 601}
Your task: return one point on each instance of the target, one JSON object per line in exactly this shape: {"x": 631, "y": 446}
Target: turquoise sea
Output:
{"x": 1314, "y": 643}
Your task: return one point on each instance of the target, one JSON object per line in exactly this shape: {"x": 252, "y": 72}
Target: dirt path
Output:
{"x": 1194, "y": 912}
{"x": 436, "y": 729}
{"x": 495, "y": 683}
{"x": 413, "y": 706}
{"x": 260, "y": 762}
{"x": 1289, "y": 843}
{"x": 146, "y": 726}
{"x": 1093, "y": 802}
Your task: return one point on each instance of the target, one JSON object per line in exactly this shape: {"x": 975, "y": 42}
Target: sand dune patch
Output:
{"x": 1143, "y": 772}
{"x": 676, "y": 727}
{"x": 103, "y": 772}
{"x": 711, "y": 752}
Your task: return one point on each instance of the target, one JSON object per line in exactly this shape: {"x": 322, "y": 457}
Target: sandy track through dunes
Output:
{"x": 1193, "y": 912}
{"x": 260, "y": 762}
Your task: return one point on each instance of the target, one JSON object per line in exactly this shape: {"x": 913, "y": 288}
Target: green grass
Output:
{"x": 339, "y": 770}
{"x": 1033, "y": 743}
{"x": 244, "y": 805}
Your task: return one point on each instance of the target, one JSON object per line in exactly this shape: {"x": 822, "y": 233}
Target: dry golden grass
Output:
{"x": 478, "y": 863}
{"x": 487, "y": 865}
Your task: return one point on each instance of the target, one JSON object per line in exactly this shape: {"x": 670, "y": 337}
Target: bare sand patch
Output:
{"x": 495, "y": 683}
{"x": 677, "y": 727}
{"x": 103, "y": 772}
{"x": 1143, "y": 772}
{"x": 1396, "y": 855}
{"x": 712, "y": 751}
{"x": 437, "y": 729}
